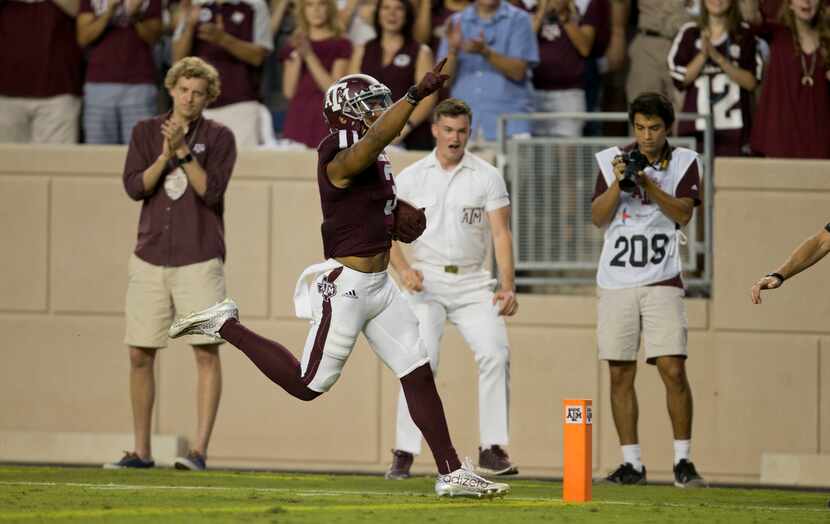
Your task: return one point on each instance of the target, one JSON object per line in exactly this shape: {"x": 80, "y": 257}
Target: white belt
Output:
{"x": 302, "y": 291}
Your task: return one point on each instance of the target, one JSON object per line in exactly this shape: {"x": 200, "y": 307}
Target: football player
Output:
{"x": 351, "y": 292}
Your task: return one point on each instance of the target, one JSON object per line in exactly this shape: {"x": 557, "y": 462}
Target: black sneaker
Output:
{"x": 130, "y": 460}
{"x": 686, "y": 476}
{"x": 194, "y": 461}
{"x": 627, "y": 475}
{"x": 401, "y": 462}
{"x": 494, "y": 461}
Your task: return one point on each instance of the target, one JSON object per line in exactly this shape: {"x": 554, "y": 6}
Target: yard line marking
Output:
{"x": 333, "y": 493}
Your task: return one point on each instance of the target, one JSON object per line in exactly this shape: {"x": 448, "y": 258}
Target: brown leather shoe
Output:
{"x": 494, "y": 460}
{"x": 401, "y": 462}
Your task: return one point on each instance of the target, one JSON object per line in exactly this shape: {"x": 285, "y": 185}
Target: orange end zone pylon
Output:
{"x": 577, "y": 423}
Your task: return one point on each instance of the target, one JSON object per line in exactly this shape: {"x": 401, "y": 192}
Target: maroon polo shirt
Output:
{"x": 119, "y": 55}
{"x": 39, "y": 56}
{"x": 560, "y": 64}
{"x": 189, "y": 229}
{"x": 240, "y": 80}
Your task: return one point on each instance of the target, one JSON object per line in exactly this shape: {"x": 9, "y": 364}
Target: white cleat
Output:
{"x": 463, "y": 482}
{"x": 205, "y": 322}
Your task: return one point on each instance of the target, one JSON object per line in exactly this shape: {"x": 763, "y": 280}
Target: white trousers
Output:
{"x": 344, "y": 303}
{"x": 467, "y": 302}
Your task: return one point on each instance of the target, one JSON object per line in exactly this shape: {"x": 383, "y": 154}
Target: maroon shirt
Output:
{"x": 190, "y": 229}
{"x": 240, "y": 80}
{"x": 357, "y": 220}
{"x": 304, "y": 120}
{"x": 560, "y": 64}
{"x": 39, "y": 55}
{"x": 398, "y": 75}
{"x": 688, "y": 187}
{"x": 792, "y": 119}
{"x": 714, "y": 91}
{"x": 119, "y": 55}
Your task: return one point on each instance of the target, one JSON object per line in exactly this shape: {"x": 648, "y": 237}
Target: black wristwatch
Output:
{"x": 182, "y": 161}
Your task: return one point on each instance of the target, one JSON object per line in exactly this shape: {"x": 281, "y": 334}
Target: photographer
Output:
{"x": 644, "y": 193}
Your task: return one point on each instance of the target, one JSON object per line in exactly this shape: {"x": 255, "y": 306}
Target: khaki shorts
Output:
{"x": 158, "y": 294}
{"x": 656, "y": 312}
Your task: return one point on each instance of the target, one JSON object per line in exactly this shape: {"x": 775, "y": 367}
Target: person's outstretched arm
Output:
{"x": 805, "y": 255}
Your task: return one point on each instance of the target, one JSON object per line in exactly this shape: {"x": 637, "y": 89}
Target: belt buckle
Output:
{"x": 451, "y": 269}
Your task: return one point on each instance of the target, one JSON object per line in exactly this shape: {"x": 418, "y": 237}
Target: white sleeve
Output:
{"x": 403, "y": 185}
{"x": 497, "y": 196}
{"x": 263, "y": 36}
{"x": 604, "y": 161}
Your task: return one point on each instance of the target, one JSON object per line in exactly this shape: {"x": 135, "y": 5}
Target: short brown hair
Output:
{"x": 452, "y": 107}
{"x": 193, "y": 67}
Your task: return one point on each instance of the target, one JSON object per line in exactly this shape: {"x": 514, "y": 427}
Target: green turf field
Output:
{"x": 36, "y": 494}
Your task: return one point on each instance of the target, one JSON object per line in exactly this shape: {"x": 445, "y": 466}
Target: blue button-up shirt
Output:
{"x": 488, "y": 92}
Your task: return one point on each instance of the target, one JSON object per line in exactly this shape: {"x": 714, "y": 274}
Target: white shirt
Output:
{"x": 456, "y": 205}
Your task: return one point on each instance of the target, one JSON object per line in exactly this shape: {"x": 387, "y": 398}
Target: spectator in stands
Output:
{"x": 283, "y": 24}
{"x": 234, "y": 37}
{"x": 657, "y": 25}
{"x": 40, "y": 84}
{"x": 398, "y": 61}
{"x": 716, "y": 61}
{"x": 431, "y": 19}
{"x": 317, "y": 56}
{"x": 120, "y": 84}
{"x": 178, "y": 166}
{"x": 355, "y": 17}
{"x": 794, "y": 109}
{"x": 566, "y": 36}
{"x": 491, "y": 49}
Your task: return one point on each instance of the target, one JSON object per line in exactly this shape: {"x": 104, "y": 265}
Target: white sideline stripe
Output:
{"x": 332, "y": 493}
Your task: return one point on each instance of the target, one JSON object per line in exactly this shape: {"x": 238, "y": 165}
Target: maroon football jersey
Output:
{"x": 357, "y": 220}
{"x": 714, "y": 91}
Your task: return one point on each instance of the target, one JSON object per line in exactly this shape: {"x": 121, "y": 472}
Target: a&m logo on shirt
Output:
{"x": 472, "y": 215}
{"x": 199, "y": 148}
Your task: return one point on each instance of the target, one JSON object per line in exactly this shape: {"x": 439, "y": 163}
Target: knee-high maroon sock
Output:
{"x": 276, "y": 362}
{"x": 428, "y": 414}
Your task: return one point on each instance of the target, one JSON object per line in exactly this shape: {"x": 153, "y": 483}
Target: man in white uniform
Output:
{"x": 466, "y": 204}
{"x": 639, "y": 283}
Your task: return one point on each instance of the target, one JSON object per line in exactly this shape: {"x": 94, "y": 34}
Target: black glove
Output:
{"x": 410, "y": 222}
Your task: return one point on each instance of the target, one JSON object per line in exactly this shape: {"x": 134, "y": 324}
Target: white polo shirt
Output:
{"x": 456, "y": 204}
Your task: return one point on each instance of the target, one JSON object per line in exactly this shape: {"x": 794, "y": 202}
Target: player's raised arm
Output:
{"x": 383, "y": 129}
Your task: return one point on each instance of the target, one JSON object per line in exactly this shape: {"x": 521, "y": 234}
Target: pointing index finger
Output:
{"x": 439, "y": 66}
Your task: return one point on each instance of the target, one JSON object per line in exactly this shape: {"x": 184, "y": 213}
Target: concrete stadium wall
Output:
{"x": 69, "y": 228}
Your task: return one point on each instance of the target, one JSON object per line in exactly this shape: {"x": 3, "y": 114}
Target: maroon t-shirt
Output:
{"x": 560, "y": 64}
{"x": 180, "y": 228}
{"x": 792, "y": 118}
{"x": 304, "y": 120}
{"x": 240, "y": 80}
{"x": 398, "y": 75}
{"x": 119, "y": 55}
{"x": 714, "y": 91}
{"x": 357, "y": 220}
{"x": 688, "y": 187}
{"x": 39, "y": 54}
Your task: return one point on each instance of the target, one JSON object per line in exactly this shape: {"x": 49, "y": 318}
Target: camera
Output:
{"x": 634, "y": 163}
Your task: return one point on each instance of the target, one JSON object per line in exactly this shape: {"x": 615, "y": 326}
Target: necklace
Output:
{"x": 807, "y": 74}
